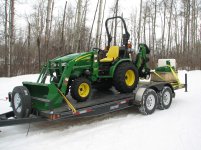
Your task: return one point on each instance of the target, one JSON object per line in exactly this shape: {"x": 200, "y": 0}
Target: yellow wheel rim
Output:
{"x": 129, "y": 77}
{"x": 84, "y": 90}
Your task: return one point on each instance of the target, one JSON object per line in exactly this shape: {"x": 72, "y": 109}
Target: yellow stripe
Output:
{"x": 178, "y": 84}
{"x": 82, "y": 57}
{"x": 87, "y": 58}
{"x": 68, "y": 102}
{"x": 159, "y": 76}
{"x": 174, "y": 74}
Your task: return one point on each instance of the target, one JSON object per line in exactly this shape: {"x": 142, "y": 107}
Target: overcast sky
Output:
{"x": 25, "y": 7}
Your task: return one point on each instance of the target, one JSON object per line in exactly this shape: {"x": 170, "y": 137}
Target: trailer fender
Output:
{"x": 139, "y": 94}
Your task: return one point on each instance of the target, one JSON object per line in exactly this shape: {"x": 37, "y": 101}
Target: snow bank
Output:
{"x": 7, "y": 85}
{"x": 177, "y": 128}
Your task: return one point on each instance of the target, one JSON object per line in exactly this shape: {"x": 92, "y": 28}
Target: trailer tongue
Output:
{"x": 8, "y": 119}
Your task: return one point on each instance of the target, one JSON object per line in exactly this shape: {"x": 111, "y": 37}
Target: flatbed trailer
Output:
{"x": 147, "y": 97}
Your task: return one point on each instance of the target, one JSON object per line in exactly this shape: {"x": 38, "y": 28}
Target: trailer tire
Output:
{"x": 149, "y": 102}
{"x": 21, "y": 102}
{"x": 80, "y": 89}
{"x": 165, "y": 98}
{"x": 126, "y": 77}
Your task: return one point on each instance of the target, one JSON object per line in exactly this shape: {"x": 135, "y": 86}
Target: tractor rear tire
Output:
{"x": 80, "y": 89}
{"x": 126, "y": 77}
{"x": 21, "y": 102}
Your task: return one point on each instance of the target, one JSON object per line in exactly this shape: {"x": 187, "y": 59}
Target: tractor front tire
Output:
{"x": 21, "y": 102}
{"x": 126, "y": 77}
{"x": 80, "y": 89}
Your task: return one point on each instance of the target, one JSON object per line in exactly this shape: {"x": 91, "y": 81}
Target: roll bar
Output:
{"x": 126, "y": 36}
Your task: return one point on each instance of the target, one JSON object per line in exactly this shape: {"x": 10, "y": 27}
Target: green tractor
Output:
{"x": 78, "y": 73}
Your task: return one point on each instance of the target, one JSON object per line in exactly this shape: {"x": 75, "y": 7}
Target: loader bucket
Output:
{"x": 44, "y": 96}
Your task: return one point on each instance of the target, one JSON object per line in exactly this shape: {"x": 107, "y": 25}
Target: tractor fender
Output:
{"x": 113, "y": 68}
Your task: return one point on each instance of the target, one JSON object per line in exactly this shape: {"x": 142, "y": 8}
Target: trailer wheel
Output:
{"x": 149, "y": 102}
{"x": 166, "y": 98}
{"x": 126, "y": 77}
{"x": 80, "y": 89}
{"x": 21, "y": 102}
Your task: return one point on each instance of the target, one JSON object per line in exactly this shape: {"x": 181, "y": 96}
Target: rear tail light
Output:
{"x": 54, "y": 116}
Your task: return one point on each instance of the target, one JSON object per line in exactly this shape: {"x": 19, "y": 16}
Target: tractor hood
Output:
{"x": 68, "y": 58}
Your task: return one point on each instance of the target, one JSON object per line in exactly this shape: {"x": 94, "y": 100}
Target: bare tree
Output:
{"x": 63, "y": 26}
{"x": 78, "y": 24}
{"x": 6, "y": 38}
{"x": 11, "y": 35}
{"x": 47, "y": 30}
{"x": 38, "y": 21}
{"x": 99, "y": 23}
{"x": 180, "y": 35}
{"x": 115, "y": 27}
{"x": 164, "y": 26}
{"x": 145, "y": 20}
{"x": 154, "y": 29}
{"x": 29, "y": 46}
{"x": 169, "y": 26}
{"x": 100, "y": 39}
{"x": 90, "y": 35}
{"x": 139, "y": 27}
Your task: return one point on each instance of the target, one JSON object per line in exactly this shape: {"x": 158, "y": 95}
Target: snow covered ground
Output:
{"x": 178, "y": 128}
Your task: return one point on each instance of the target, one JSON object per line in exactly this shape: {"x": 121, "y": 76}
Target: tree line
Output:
{"x": 171, "y": 28}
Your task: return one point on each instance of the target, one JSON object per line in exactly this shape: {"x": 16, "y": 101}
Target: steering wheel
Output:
{"x": 96, "y": 49}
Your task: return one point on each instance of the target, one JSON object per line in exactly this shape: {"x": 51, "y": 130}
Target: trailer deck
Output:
{"x": 100, "y": 102}
{"x": 96, "y": 98}
{"x": 110, "y": 100}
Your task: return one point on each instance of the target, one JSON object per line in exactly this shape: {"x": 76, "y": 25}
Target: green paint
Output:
{"x": 67, "y": 68}
{"x": 142, "y": 61}
{"x": 165, "y": 68}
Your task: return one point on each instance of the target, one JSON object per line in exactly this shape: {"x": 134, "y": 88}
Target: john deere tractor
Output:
{"x": 78, "y": 73}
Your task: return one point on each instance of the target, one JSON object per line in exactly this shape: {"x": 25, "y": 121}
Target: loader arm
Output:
{"x": 142, "y": 60}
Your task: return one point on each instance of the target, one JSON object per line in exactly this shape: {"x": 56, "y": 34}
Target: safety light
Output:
{"x": 54, "y": 116}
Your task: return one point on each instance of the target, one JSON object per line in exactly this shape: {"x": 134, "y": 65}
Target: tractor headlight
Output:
{"x": 95, "y": 58}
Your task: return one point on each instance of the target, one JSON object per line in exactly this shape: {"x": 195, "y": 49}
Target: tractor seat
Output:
{"x": 112, "y": 54}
